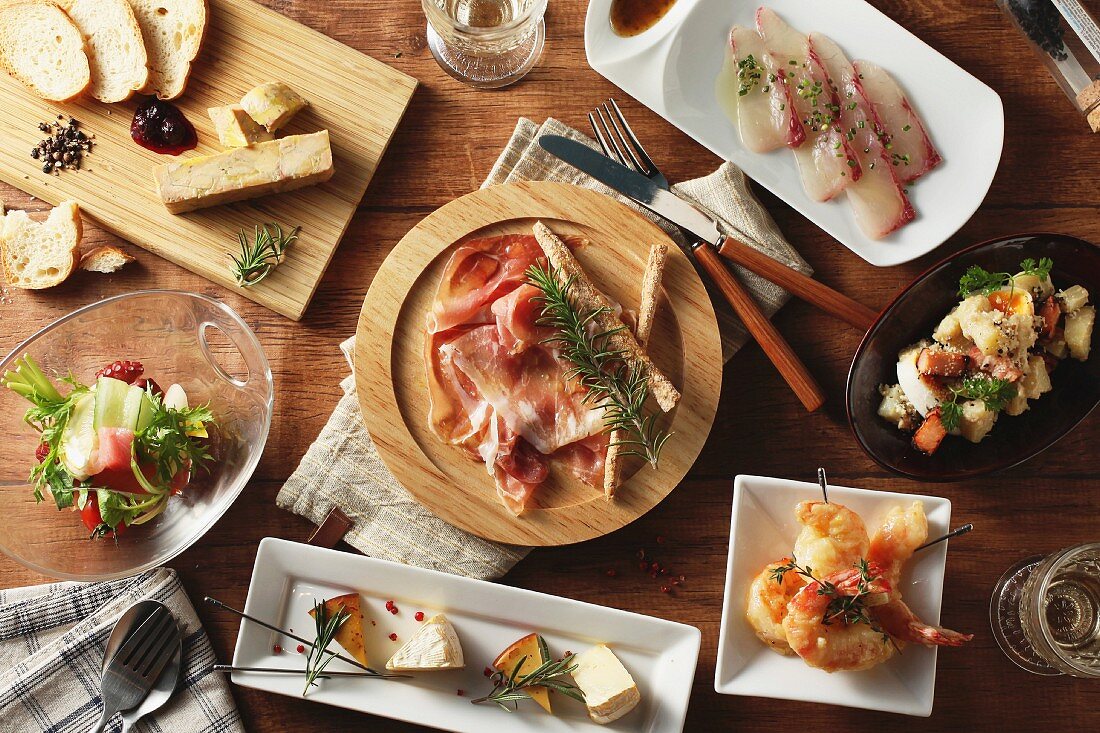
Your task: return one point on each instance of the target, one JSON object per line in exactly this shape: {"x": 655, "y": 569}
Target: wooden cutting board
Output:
{"x": 392, "y": 383}
{"x": 357, "y": 99}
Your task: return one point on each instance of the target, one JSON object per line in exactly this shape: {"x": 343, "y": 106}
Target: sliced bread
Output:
{"x": 42, "y": 47}
{"x": 37, "y": 254}
{"x": 104, "y": 258}
{"x": 173, "y": 31}
{"x": 115, "y": 48}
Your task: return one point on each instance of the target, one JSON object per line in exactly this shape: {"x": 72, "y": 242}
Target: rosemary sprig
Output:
{"x": 511, "y": 688}
{"x": 326, "y": 626}
{"x": 261, "y": 254}
{"x": 842, "y": 608}
{"x": 612, "y": 384}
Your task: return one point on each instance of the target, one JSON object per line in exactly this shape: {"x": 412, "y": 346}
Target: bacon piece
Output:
{"x": 765, "y": 112}
{"x": 998, "y": 367}
{"x": 1050, "y": 313}
{"x": 930, "y": 433}
{"x": 826, "y": 161}
{"x": 899, "y": 127}
{"x": 878, "y": 200}
{"x": 940, "y": 363}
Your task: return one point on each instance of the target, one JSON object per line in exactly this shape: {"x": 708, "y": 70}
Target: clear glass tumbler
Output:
{"x": 486, "y": 43}
{"x": 1045, "y": 612}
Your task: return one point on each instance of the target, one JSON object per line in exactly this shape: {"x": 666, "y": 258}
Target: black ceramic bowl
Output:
{"x": 914, "y": 314}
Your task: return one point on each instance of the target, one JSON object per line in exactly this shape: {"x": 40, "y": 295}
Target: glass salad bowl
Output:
{"x": 179, "y": 337}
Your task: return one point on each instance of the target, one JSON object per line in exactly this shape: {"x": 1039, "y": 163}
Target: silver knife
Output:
{"x": 701, "y": 225}
{"x": 705, "y": 251}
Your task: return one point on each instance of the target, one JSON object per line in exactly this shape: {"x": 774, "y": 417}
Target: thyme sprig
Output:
{"x": 842, "y": 608}
{"x": 612, "y": 383}
{"x": 326, "y": 627}
{"x": 510, "y": 689}
{"x": 262, "y": 253}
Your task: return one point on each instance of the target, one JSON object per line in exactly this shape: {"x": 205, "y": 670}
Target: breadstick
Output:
{"x": 647, "y": 309}
{"x": 589, "y": 297}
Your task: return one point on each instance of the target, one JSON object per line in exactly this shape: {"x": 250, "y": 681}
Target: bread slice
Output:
{"x": 647, "y": 310}
{"x": 590, "y": 298}
{"x": 40, "y": 255}
{"x": 115, "y": 48}
{"x": 104, "y": 258}
{"x": 173, "y": 31}
{"x": 41, "y": 47}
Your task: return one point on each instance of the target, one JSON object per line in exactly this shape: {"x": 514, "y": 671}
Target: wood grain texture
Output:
{"x": 358, "y": 99}
{"x": 391, "y": 375}
{"x": 444, "y": 149}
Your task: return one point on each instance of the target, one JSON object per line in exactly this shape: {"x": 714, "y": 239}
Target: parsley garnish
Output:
{"x": 995, "y": 393}
{"x": 979, "y": 280}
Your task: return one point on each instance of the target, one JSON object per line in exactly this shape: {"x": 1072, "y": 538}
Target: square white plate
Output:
{"x": 762, "y": 530}
{"x": 288, "y": 576}
{"x": 672, "y": 68}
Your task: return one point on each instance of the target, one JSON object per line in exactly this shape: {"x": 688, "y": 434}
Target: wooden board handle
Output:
{"x": 765, "y": 333}
{"x": 799, "y": 285}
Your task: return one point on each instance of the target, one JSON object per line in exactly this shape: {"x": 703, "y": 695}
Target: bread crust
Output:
{"x": 123, "y": 7}
{"x": 154, "y": 76}
{"x": 64, "y": 270}
{"x": 93, "y": 259}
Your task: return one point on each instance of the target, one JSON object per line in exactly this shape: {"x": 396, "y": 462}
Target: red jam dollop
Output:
{"x": 161, "y": 127}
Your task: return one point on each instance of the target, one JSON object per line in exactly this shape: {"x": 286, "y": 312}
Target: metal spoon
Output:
{"x": 168, "y": 681}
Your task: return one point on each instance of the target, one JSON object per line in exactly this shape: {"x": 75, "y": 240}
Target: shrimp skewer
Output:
{"x": 900, "y": 622}
{"x": 833, "y": 537}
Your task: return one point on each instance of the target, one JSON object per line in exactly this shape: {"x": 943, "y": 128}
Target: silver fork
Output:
{"x": 132, "y": 672}
{"x": 613, "y": 133}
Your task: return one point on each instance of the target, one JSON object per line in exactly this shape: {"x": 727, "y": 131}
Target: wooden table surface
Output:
{"x": 445, "y": 147}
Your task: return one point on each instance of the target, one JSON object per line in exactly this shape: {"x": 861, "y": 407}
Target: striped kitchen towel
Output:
{"x": 52, "y": 639}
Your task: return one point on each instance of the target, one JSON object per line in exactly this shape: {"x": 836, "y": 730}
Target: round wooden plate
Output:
{"x": 392, "y": 383}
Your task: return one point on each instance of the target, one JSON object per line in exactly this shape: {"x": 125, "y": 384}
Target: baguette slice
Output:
{"x": 39, "y": 255}
{"x": 113, "y": 42}
{"x": 173, "y": 31}
{"x": 591, "y": 298}
{"x": 105, "y": 259}
{"x": 647, "y": 309}
{"x": 42, "y": 47}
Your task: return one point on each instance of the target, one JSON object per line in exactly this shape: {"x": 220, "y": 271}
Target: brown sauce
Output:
{"x": 632, "y": 17}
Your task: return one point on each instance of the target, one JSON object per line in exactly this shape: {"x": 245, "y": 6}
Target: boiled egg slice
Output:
{"x": 916, "y": 391}
{"x": 1013, "y": 301}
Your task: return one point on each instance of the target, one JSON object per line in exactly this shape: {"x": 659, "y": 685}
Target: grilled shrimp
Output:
{"x": 900, "y": 622}
{"x": 833, "y": 537}
{"x": 767, "y": 605}
{"x": 832, "y": 644}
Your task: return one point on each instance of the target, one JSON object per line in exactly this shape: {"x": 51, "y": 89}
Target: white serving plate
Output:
{"x": 672, "y": 68}
{"x": 762, "y": 530}
{"x": 660, "y": 655}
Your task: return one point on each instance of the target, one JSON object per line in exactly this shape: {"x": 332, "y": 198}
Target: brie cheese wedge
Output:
{"x": 609, "y": 690}
{"x": 433, "y": 647}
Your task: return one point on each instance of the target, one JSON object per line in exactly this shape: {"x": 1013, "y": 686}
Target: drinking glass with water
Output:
{"x": 486, "y": 43}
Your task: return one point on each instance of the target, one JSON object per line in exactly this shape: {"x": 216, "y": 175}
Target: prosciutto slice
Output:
{"x": 878, "y": 199}
{"x": 498, "y": 388}
{"x": 765, "y": 111}
{"x": 899, "y": 127}
{"x": 826, "y": 161}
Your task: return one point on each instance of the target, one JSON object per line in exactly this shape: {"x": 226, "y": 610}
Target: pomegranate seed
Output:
{"x": 643, "y": 566}
{"x": 461, "y": 693}
{"x": 41, "y": 451}
{"x": 488, "y": 672}
{"x": 611, "y": 572}
{"x": 393, "y": 637}
{"x": 419, "y": 615}
{"x": 666, "y": 589}
{"x": 660, "y": 539}
{"x": 301, "y": 649}
{"x": 277, "y": 649}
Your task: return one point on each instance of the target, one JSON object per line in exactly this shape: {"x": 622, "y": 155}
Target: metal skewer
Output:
{"x": 953, "y": 533}
{"x": 283, "y": 670}
{"x": 823, "y": 484}
{"x": 266, "y": 625}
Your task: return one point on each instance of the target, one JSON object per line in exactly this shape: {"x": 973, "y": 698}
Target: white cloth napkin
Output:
{"x": 343, "y": 469}
{"x": 52, "y": 640}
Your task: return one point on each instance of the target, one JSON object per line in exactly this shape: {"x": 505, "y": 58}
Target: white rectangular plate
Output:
{"x": 763, "y": 529}
{"x": 288, "y": 576}
{"x": 672, "y": 68}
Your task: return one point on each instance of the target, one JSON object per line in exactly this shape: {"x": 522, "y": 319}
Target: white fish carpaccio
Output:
{"x": 901, "y": 129}
{"x": 765, "y": 115}
{"x": 826, "y": 161}
{"x": 878, "y": 199}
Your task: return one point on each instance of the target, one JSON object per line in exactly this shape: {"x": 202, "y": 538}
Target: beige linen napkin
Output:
{"x": 343, "y": 469}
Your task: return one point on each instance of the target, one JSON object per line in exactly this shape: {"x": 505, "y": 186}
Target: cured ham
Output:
{"x": 826, "y": 161}
{"x": 900, "y": 128}
{"x": 498, "y": 388}
{"x": 878, "y": 199}
{"x": 765, "y": 111}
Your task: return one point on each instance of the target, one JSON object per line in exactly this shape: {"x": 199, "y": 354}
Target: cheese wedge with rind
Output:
{"x": 433, "y": 648}
{"x": 609, "y": 690}
{"x": 245, "y": 173}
